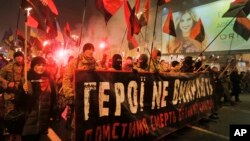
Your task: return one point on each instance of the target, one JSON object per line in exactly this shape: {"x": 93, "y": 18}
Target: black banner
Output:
{"x": 137, "y": 106}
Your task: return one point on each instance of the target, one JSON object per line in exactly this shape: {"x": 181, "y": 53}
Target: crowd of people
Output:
{"x": 33, "y": 98}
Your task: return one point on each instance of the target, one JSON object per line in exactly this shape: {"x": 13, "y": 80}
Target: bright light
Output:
{"x": 61, "y": 53}
{"x": 102, "y": 45}
{"x": 45, "y": 43}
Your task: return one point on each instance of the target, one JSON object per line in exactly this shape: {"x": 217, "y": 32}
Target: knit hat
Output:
{"x": 88, "y": 46}
{"x": 175, "y": 63}
{"x": 37, "y": 60}
{"x": 18, "y": 53}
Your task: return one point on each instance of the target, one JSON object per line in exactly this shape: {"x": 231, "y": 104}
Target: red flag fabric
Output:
{"x": 242, "y": 27}
{"x": 137, "y": 6}
{"x": 133, "y": 24}
{"x": 198, "y": 32}
{"x": 67, "y": 35}
{"x": 45, "y": 17}
{"x": 32, "y": 22}
{"x": 51, "y": 5}
{"x": 169, "y": 24}
{"x": 67, "y": 30}
{"x": 146, "y": 10}
{"x": 108, "y": 7}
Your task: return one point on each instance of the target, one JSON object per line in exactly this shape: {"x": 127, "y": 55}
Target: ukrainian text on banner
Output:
{"x": 137, "y": 106}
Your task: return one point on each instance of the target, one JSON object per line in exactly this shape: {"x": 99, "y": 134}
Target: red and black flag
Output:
{"x": 168, "y": 27}
{"x": 198, "y": 32}
{"x": 108, "y": 7}
{"x": 143, "y": 19}
{"x": 238, "y": 8}
{"x": 68, "y": 36}
{"x": 43, "y": 16}
{"x": 133, "y": 24}
{"x": 242, "y": 27}
{"x": 20, "y": 38}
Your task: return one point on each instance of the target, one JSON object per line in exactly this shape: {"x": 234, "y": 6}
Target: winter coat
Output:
{"x": 40, "y": 102}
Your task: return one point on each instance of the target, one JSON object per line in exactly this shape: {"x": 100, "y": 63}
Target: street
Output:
{"x": 215, "y": 130}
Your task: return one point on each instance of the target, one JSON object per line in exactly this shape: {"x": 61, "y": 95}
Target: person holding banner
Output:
{"x": 183, "y": 43}
{"x": 155, "y": 61}
{"x": 84, "y": 61}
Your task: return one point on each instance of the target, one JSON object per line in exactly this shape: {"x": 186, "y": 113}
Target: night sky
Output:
{"x": 69, "y": 11}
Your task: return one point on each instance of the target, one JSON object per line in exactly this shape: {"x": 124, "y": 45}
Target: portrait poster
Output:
{"x": 218, "y": 30}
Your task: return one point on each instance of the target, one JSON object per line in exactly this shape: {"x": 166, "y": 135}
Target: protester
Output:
{"x": 142, "y": 63}
{"x": 128, "y": 64}
{"x": 3, "y": 61}
{"x": 51, "y": 65}
{"x": 103, "y": 63}
{"x": 217, "y": 92}
{"x": 175, "y": 66}
{"x": 155, "y": 61}
{"x": 187, "y": 64}
{"x": 116, "y": 62}
{"x": 235, "y": 79}
{"x": 84, "y": 61}
{"x": 164, "y": 66}
{"x": 10, "y": 77}
{"x": 40, "y": 101}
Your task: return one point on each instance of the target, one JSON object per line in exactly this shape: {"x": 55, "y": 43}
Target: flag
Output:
{"x": 8, "y": 38}
{"x": 137, "y": 6}
{"x": 67, "y": 35}
{"x": 146, "y": 10}
{"x": 132, "y": 43}
{"x": 242, "y": 27}
{"x": 132, "y": 22}
{"x": 43, "y": 16}
{"x": 143, "y": 18}
{"x": 59, "y": 36}
{"x": 67, "y": 30}
{"x": 32, "y": 22}
{"x": 108, "y": 7}
{"x": 51, "y": 5}
{"x": 238, "y": 8}
{"x": 198, "y": 32}
{"x": 161, "y": 2}
{"x": 20, "y": 38}
{"x": 246, "y": 9}
{"x": 36, "y": 42}
{"x": 168, "y": 27}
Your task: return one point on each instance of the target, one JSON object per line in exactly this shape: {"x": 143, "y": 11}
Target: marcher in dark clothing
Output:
{"x": 235, "y": 79}
{"x": 187, "y": 64}
{"x": 217, "y": 92}
{"x": 39, "y": 99}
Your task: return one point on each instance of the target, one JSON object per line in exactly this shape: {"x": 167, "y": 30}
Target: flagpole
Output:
{"x": 152, "y": 44}
{"x": 83, "y": 17}
{"x": 26, "y": 42}
{"x": 231, "y": 43}
{"x": 217, "y": 36}
{"x": 123, "y": 38}
{"x": 17, "y": 23}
